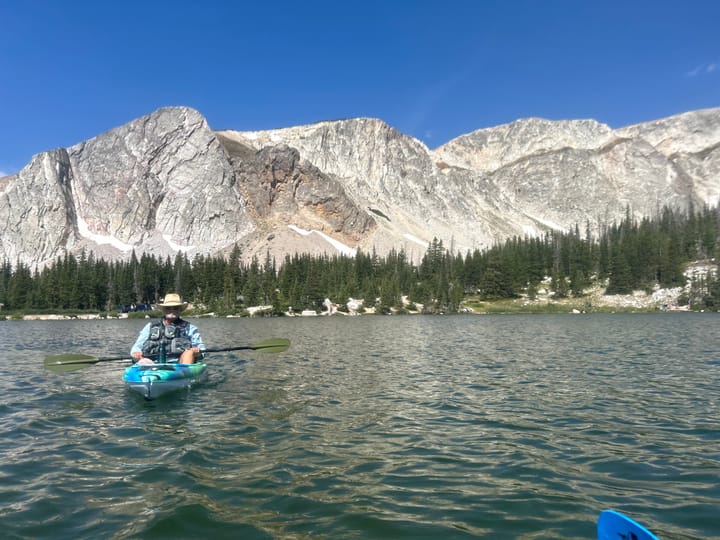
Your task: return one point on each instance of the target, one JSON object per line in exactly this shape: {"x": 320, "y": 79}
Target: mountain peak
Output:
{"x": 166, "y": 182}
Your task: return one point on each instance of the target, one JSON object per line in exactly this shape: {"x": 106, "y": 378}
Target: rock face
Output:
{"x": 280, "y": 190}
{"x": 164, "y": 173}
{"x": 161, "y": 183}
{"x": 166, "y": 183}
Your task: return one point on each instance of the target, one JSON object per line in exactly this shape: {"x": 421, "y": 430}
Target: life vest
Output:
{"x": 173, "y": 337}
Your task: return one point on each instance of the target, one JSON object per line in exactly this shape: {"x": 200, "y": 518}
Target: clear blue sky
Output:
{"x": 70, "y": 70}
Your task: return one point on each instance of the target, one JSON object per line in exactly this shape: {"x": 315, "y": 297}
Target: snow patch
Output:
{"x": 100, "y": 239}
{"x": 415, "y": 239}
{"x": 342, "y": 248}
{"x": 550, "y": 224}
{"x": 176, "y": 247}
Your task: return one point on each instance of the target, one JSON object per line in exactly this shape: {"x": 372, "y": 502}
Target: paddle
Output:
{"x": 72, "y": 361}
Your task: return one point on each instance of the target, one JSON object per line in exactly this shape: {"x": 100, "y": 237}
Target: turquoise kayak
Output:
{"x": 154, "y": 380}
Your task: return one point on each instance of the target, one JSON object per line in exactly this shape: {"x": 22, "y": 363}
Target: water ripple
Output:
{"x": 373, "y": 427}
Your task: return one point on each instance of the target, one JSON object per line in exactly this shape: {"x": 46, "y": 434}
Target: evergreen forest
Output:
{"x": 626, "y": 256}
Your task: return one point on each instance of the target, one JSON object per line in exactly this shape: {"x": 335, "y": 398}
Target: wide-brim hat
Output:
{"x": 172, "y": 300}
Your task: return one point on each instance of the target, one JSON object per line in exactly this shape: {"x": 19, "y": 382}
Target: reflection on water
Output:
{"x": 371, "y": 427}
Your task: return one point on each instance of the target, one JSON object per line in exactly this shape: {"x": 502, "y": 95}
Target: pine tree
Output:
{"x": 252, "y": 286}
{"x": 620, "y": 275}
{"x": 19, "y": 287}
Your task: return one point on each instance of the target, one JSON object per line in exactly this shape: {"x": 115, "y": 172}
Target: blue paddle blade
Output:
{"x": 613, "y": 525}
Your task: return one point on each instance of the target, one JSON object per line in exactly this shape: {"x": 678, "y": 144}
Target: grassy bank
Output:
{"x": 567, "y": 305}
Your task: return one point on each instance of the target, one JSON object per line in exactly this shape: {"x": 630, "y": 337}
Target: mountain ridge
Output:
{"x": 166, "y": 183}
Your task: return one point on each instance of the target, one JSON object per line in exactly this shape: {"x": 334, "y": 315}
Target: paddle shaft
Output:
{"x": 116, "y": 358}
{"x": 69, "y": 359}
{"x": 244, "y": 348}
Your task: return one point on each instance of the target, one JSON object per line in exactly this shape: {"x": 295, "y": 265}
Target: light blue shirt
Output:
{"x": 190, "y": 330}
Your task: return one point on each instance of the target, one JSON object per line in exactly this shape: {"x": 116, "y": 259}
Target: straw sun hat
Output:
{"x": 173, "y": 300}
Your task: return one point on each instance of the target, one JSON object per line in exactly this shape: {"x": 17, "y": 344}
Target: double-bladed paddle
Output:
{"x": 72, "y": 361}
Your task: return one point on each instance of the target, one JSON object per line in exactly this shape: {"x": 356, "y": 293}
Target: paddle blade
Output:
{"x": 60, "y": 363}
{"x": 274, "y": 345}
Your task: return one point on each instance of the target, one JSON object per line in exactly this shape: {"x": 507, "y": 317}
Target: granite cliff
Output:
{"x": 167, "y": 182}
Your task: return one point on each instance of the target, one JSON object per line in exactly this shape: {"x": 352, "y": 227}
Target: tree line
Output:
{"x": 630, "y": 255}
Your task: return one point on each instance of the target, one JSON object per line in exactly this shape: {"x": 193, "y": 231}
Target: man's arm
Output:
{"x": 141, "y": 339}
{"x": 195, "y": 338}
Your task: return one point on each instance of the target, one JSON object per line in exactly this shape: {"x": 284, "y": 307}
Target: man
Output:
{"x": 169, "y": 338}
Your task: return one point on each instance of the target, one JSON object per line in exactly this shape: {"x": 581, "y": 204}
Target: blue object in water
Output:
{"x": 154, "y": 380}
{"x": 613, "y": 525}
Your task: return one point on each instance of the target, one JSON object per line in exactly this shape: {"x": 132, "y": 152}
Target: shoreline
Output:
{"x": 594, "y": 301}
{"x": 549, "y": 310}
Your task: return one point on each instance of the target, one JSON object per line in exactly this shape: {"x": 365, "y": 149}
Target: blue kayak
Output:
{"x": 613, "y": 525}
{"x": 154, "y": 380}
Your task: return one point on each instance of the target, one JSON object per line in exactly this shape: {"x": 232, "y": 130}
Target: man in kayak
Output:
{"x": 169, "y": 338}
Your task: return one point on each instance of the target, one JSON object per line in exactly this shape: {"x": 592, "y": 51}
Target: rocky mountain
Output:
{"x": 167, "y": 182}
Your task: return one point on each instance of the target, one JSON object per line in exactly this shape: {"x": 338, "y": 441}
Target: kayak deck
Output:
{"x": 154, "y": 380}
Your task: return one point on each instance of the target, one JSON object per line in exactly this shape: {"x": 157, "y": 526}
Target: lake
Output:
{"x": 521, "y": 426}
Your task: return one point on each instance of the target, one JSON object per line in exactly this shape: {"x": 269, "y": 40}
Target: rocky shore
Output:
{"x": 594, "y": 300}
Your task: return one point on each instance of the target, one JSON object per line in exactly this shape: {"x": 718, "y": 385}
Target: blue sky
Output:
{"x": 432, "y": 69}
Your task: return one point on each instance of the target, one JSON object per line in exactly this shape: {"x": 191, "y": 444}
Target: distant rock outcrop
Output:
{"x": 166, "y": 182}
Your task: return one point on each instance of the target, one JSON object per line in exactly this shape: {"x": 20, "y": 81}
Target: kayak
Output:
{"x": 613, "y": 525}
{"x": 154, "y": 380}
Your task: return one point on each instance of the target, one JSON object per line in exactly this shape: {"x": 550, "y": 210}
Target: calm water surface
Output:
{"x": 370, "y": 427}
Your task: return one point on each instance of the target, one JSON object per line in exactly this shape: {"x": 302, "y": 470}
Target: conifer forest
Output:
{"x": 626, "y": 256}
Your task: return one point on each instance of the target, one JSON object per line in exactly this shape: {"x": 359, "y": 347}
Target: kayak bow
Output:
{"x": 154, "y": 380}
{"x": 613, "y": 525}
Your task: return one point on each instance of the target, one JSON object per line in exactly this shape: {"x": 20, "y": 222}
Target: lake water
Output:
{"x": 370, "y": 427}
